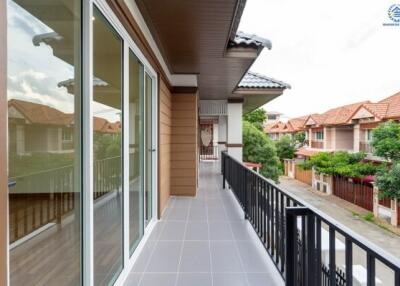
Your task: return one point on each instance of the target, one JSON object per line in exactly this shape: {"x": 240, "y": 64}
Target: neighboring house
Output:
{"x": 349, "y": 127}
{"x": 273, "y": 116}
{"x": 277, "y": 130}
{"x": 274, "y": 130}
{"x": 368, "y": 116}
{"x": 35, "y": 127}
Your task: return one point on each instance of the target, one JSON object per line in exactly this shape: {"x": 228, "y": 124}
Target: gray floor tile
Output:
{"x": 197, "y": 214}
{"x": 229, "y": 279}
{"x": 197, "y": 231}
{"x": 182, "y": 202}
{"x": 165, "y": 257}
{"x": 242, "y": 230}
{"x": 177, "y": 214}
{"x": 194, "y": 279}
{"x": 195, "y": 257}
{"x": 263, "y": 279}
{"x": 133, "y": 279}
{"x": 155, "y": 234}
{"x": 220, "y": 231}
{"x": 253, "y": 259}
{"x": 217, "y": 214}
{"x": 224, "y": 257}
{"x": 158, "y": 279}
{"x": 142, "y": 260}
{"x": 173, "y": 230}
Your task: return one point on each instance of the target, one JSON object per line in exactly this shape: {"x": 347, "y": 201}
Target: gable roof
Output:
{"x": 393, "y": 106}
{"x": 274, "y": 127}
{"x": 385, "y": 109}
{"x": 341, "y": 114}
{"x": 40, "y": 113}
{"x": 255, "y": 80}
{"x": 37, "y": 113}
{"x": 297, "y": 123}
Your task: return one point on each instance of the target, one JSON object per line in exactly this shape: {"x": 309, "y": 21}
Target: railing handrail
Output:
{"x": 361, "y": 241}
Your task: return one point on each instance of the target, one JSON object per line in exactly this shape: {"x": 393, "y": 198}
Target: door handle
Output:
{"x": 152, "y": 150}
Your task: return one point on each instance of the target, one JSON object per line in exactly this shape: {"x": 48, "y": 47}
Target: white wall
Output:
{"x": 235, "y": 132}
{"x": 222, "y": 132}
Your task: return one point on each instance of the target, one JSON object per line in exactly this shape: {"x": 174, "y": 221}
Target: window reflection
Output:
{"x": 136, "y": 72}
{"x": 44, "y": 135}
{"x": 107, "y": 151}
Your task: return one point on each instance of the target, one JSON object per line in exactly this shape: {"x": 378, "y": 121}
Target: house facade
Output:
{"x": 108, "y": 104}
{"x": 348, "y": 128}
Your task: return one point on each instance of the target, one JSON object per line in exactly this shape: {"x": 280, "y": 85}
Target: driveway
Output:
{"x": 343, "y": 212}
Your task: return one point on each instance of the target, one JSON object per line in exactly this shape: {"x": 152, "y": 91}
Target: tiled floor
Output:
{"x": 204, "y": 241}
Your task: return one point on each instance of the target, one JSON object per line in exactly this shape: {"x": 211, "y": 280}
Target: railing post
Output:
{"x": 245, "y": 194}
{"x": 291, "y": 243}
{"x": 311, "y": 261}
{"x": 223, "y": 170}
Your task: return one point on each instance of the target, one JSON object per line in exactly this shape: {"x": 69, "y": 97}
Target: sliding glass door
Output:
{"x": 107, "y": 151}
{"x": 136, "y": 148}
{"x": 149, "y": 148}
{"x": 66, "y": 228}
{"x": 44, "y": 131}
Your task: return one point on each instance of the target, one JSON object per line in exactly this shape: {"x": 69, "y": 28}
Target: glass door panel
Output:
{"x": 136, "y": 90}
{"x": 149, "y": 148}
{"x": 107, "y": 151}
{"x": 44, "y": 123}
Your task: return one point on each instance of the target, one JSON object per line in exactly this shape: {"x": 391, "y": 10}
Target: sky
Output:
{"x": 331, "y": 52}
{"x": 34, "y": 72}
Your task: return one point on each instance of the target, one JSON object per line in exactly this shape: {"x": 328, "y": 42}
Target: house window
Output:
{"x": 66, "y": 135}
{"x": 319, "y": 136}
{"x": 369, "y": 135}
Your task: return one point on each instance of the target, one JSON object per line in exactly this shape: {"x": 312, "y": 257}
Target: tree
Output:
{"x": 386, "y": 143}
{"x": 388, "y": 182}
{"x": 299, "y": 138}
{"x": 258, "y": 148}
{"x": 285, "y": 148}
{"x": 256, "y": 117}
{"x": 340, "y": 163}
{"x": 386, "y": 140}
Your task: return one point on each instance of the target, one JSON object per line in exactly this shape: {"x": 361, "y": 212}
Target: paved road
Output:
{"x": 343, "y": 211}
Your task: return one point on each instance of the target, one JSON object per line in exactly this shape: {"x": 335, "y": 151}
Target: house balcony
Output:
{"x": 242, "y": 229}
{"x": 366, "y": 147}
{"x": 317, "y": 144}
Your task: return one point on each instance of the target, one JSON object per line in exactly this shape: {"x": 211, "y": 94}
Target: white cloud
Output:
{"x": 331, "y": 52}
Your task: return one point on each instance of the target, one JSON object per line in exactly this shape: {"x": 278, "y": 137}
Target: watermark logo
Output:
{"x": 394, "y": 15}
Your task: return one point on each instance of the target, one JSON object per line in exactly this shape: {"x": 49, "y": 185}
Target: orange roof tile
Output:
{"x": 297, "y": 123}
{"x": 341, "y": 114}
{"x": 40, "y": 113}
{"x": 393, "y": 108}
{"x": 37, "y": 113}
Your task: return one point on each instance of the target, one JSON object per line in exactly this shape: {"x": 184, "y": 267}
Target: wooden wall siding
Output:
{"x": 3, "y": 147}
{"x": 184, "y": 144}
{"x": 165, "y": 123}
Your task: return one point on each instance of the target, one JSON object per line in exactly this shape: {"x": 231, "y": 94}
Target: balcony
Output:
{"x": 317, "y": 144}
{"x": 254, "y": 233}
{"x": 366, "y": 147}
{"x": 204, "y": 240}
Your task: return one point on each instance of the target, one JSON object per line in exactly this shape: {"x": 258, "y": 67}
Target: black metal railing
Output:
{"x": 291, "y": 232}
{"x": 209, "y": 153}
